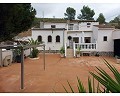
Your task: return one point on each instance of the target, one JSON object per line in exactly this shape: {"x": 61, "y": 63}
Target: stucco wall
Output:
{"x": 58, "y": 25}
{"x": 83, "y": 26}
{"x": 95, "y": 33}
{"x": 116, "y": 34}
{"x": 45, "y": 33}
{"x": 4, "y": 54}
{"x": 80, "y": 35}
{"x": 105, "y": 45}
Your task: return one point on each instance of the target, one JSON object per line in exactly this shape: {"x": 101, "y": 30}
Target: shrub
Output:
{"x": 78, "y": 50}
{"x": 34, "y": 53}
{"x": 62, "y": 50}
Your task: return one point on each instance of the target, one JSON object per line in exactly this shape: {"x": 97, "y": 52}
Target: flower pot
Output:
{"x": 18, "y": 58}
{"x": 77, "y": 55}
{"x": 118, "y": 61}
{"x": 62, "y": 55}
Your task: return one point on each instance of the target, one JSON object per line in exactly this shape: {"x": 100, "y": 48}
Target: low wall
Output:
{"x": 10, "y": 52}
{"x": 4, "y": 54}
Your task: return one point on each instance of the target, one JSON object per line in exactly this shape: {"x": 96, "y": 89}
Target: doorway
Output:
{"x": 117, "y": 47}
{"x": 87, "y": 39}
{"x": 76, "y": 39}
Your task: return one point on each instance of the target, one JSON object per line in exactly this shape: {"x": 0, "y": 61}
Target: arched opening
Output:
{"x": 57, "y": 38}
{"x": 49, "y": 38}
{"x": 40, "y": 38}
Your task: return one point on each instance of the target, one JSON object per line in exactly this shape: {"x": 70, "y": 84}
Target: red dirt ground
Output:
{"x": 58, "y": 71}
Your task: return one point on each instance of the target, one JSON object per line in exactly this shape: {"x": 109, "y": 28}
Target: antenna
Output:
{"x": 43, "y": 14}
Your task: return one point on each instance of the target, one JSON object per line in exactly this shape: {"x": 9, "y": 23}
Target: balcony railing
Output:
{"x": 86, "y": 46}
{"x": 73, "y": 27}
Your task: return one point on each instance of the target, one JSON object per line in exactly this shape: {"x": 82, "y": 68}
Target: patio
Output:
{"x": 57, "y": 72}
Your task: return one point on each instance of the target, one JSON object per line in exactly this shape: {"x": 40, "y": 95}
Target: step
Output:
{"x": 69, "y": 53}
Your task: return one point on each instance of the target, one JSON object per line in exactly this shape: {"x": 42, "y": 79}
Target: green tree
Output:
{"x": 101, "y": 18}
{"x": 70, "y": 13}
{"x": 15, "y": 18}
{"x": 86, "y": 13}
{"x": 115, "y": 22}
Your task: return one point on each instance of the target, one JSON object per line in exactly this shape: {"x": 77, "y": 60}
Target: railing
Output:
{"x": 86, "y": 46}
{"x": 74, "y": 27}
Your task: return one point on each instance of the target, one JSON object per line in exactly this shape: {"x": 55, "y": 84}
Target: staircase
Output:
{"x": 69, "y": 53}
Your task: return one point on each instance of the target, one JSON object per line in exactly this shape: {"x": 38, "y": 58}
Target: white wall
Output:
{"x": 74, "y": 34}
{"x": 83, "y": 26}
{"x": 105, "y": 45}
{"x": 58, "y": 25}
{"x": 95, "y": 33}
{"x": 45, "y": 33}
{"x": 116, "y": 34}
{"x": 6, "y": 53}
{"x": 79, "y": 34}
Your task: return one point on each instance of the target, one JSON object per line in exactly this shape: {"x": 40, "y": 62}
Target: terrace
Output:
{"x": 58, "y": 71}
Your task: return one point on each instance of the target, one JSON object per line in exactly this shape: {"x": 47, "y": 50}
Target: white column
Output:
{"x": 83, "y": 37}
{"x": 74, "y": 48}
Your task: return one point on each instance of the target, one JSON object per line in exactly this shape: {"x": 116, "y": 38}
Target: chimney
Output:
{"x": 41, "y": 25}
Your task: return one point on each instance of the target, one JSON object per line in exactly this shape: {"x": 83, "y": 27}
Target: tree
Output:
{"x": 87, "y": 13}
{"x": 15, "y": 18}
{"x": 101, "y": 18}
{"x": 70, "y": 13}
{"x": 116, "y": 22}
{"x": 116, "y": 19}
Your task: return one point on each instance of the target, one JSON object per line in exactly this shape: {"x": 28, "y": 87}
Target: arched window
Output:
{"x": 39, "y": 38}
{"x": 57, "y": 38}
{"x": 49, "y": 38}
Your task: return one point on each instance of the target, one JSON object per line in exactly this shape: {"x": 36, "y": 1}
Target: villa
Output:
{"x": 88, "y": 35}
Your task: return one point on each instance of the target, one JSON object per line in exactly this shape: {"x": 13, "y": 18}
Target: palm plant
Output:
{"x": 33, "y": 42}
{"x": 34, "y": 52}
{"x": 109, "y": 84}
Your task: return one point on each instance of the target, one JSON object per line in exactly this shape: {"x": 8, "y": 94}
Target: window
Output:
{"x": 87, "y": 39}
{"x": 49, "y": 38}
{"x": 105, "y": 38}
{"x": 70, "y": 26}
{"x": 53, "y": 26}
{"x": 88, "y": 23}
{"x": 39, "y": 38}
{"x": 57, "y": 38}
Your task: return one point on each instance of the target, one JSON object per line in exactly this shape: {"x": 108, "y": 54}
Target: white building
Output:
{"x": 88, "y": 35}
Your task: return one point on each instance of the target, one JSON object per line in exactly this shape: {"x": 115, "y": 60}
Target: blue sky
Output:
{"x": 109, "y": 10}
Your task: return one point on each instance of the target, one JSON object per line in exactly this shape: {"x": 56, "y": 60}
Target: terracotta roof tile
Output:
{"x": 25, "y": 33}
{"x": 104, "y": 26}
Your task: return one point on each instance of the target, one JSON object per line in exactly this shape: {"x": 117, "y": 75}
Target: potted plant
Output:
{"x": 78, "y": 52}
{"x": 97, "y": 54}
{"x": 17, "y": 55}
{"x": 117, "y": 59}
{"x": 34, "y": 53}
{"x": 62, "y": 52}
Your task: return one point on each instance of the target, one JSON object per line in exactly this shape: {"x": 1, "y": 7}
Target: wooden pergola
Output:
{"x": 22, "y": 48}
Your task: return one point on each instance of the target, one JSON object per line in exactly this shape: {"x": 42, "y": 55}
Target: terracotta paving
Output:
{"x": 58, "y": 71}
